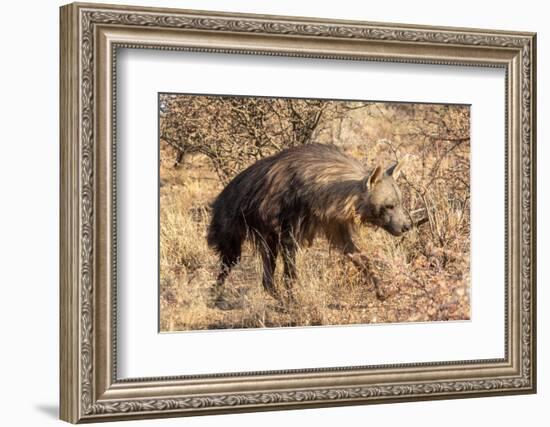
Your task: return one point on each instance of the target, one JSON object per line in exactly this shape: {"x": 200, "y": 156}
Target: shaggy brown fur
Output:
{"x": 287, "y": 199}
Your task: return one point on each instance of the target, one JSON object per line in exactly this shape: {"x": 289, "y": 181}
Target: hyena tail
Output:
{"x": 226, "y": 236}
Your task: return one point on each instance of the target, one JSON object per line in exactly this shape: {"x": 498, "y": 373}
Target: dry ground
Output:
{"x": 424, "y": 274}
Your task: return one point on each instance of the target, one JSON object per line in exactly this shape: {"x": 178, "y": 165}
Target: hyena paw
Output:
{"x": 381, "y": 295}
{"x": 223, "y": 304}
{"x": 217, "y": 300}
{"x": 360, "y": 260}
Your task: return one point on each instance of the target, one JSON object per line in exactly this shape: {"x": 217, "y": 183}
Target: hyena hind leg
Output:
{"x": 227, "y": 261}
{"x": 268, "y": 252}
{"x": 289, "y": 249}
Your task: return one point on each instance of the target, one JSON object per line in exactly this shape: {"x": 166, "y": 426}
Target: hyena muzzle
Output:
{"x": 284, "y": 201}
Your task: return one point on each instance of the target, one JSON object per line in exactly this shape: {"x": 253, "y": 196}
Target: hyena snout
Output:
{"x": 399, "y": 224}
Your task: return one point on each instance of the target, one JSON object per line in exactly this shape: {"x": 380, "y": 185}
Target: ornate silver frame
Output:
{"x": 90, "y": 36}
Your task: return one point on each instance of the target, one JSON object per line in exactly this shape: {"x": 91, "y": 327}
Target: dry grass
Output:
{"x": 424, "y": 274}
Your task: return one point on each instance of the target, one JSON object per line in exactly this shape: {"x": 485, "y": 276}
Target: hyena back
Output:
{"x": 286, "y": 200}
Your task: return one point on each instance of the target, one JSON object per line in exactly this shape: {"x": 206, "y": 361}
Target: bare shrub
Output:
{"x": 234, "y": 131}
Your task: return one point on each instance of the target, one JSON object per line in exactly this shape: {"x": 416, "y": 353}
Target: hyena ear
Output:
{"x": 395, "y": 170}
{"x": 374, "y": 177}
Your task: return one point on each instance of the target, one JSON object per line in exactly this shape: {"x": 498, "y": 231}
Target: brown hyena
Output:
{"x": 287, "y": 199}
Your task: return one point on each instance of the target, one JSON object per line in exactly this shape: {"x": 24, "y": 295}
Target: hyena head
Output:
{"x": 381, "y": 203}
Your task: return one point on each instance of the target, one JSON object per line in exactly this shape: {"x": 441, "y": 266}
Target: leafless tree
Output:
{"x": 232, "y": 132}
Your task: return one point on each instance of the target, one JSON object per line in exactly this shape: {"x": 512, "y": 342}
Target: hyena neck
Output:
{"x": 339, "y": 201}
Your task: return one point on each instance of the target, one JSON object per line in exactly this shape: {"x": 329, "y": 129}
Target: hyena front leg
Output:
{"x": 341, "y": 237}
{"x": 363, "y": 264}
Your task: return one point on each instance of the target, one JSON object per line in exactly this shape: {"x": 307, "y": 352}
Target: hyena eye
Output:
{"x": 390, "y": 207}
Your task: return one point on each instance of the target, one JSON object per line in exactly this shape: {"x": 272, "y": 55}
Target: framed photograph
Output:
{"x": 266, "y": 212}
